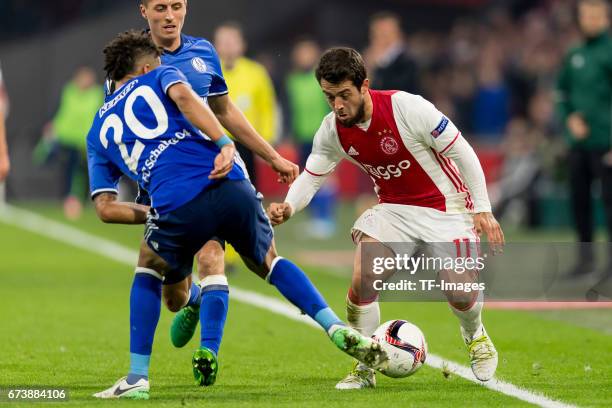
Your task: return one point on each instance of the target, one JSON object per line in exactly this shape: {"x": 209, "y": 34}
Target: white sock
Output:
{"x": 364, "y": 318}
{"x": 470, "y": 319}
{"x": 213, "y": 280}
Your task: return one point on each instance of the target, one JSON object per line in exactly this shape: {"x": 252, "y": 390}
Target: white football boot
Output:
{"x": 483, "y": 356}
{"x": 361, "y": 377}
{"x": 121, "y": 389}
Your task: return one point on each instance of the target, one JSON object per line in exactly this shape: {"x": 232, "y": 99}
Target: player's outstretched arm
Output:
{"x": 5, "y": 163}
{"x": 234, "y": 120}
{"x": 299, "y": 196}
{"x": 325, "y": 156}
{"x": 111, "y": 211}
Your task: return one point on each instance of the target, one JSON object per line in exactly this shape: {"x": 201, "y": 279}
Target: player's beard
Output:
{"x": 359, "y": 116}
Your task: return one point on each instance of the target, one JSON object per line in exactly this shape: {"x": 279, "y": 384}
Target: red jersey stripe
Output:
{"x": 450, "y": 172}
{"x": 470, "y": 203}
{"x": 451, "y": 143}
{"x": 313, "y": 174}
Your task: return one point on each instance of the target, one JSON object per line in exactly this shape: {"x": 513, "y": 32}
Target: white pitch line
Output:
{"x": 69, "y": 235}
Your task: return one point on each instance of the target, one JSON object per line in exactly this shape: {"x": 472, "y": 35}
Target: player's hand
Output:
{"x": 278, "y": 213}
{"x": 5, "y": 166}
{"x": 223, "y": 162}
{"x": 577, "y": 126}
{"x": 485, "y": 223}
{"x": 287, "y": 171}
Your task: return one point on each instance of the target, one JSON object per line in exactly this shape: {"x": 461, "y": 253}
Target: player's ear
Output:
{"x": 365, "y": 86}
{"x": 151, "y": 65}
{"x": 143, "y": 11}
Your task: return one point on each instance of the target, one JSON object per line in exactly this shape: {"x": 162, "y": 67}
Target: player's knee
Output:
{"x": 211, "y": 259}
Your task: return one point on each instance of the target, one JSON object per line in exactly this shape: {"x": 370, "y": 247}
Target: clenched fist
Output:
{"x": 279, "y": 213}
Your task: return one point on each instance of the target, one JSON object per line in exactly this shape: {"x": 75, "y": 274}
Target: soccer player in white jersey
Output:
{"x": 429, "y": 182}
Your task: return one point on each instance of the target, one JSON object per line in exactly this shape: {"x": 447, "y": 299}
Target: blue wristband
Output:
{"x": 224, "y": 140}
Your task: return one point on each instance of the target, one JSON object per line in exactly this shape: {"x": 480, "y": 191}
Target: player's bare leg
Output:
{"x": 362, "y": 309}
{"x": 468, "y": 308}
{"x": 211, "y": 271}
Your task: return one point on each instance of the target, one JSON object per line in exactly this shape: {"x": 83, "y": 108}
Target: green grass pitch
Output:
{"x": 64, "y": 323}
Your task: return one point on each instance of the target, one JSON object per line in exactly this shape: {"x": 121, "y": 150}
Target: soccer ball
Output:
{"x": 405, "y": 345}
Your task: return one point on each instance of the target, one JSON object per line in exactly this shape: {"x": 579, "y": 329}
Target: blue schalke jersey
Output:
{"x": 141, "y": 133}
{"x": 197, "y": 59}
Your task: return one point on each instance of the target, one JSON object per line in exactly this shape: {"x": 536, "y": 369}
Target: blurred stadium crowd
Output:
{"x": 495, "y": 77}
{"x": 43, "y": 15}
{"x": 493, "y": 73}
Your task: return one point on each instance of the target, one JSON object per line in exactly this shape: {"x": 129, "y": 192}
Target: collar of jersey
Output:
{"x": 109, "y": 97}
{"x": 179, "y": 49}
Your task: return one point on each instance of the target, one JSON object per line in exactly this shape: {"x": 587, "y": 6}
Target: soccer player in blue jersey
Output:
{"x": 197, "y": 59}
{"x": 156, "y": 130}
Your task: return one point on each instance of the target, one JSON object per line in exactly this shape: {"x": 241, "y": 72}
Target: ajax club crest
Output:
{"x": 388, "y": 144}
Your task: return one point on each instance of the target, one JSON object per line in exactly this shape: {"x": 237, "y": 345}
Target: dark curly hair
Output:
{"x": 122, "y": 53}
{"x": 340, "y": 64}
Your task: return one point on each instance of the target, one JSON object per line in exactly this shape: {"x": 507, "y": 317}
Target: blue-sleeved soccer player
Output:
{"x": 157, "y": 131}
{"x": 197, "y": 59}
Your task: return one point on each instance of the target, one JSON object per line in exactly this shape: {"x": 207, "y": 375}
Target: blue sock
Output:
{"x": 145, "y": 308}
{"x": 194, "y": 296}
{"x": 213, "y": 311}
{"x": 139, "y": 361}
{"x": 295, "y": 286}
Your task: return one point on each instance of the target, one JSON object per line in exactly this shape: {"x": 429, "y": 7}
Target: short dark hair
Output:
{"x": 340, "y": 64}
{"x": 122, "y": 53}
